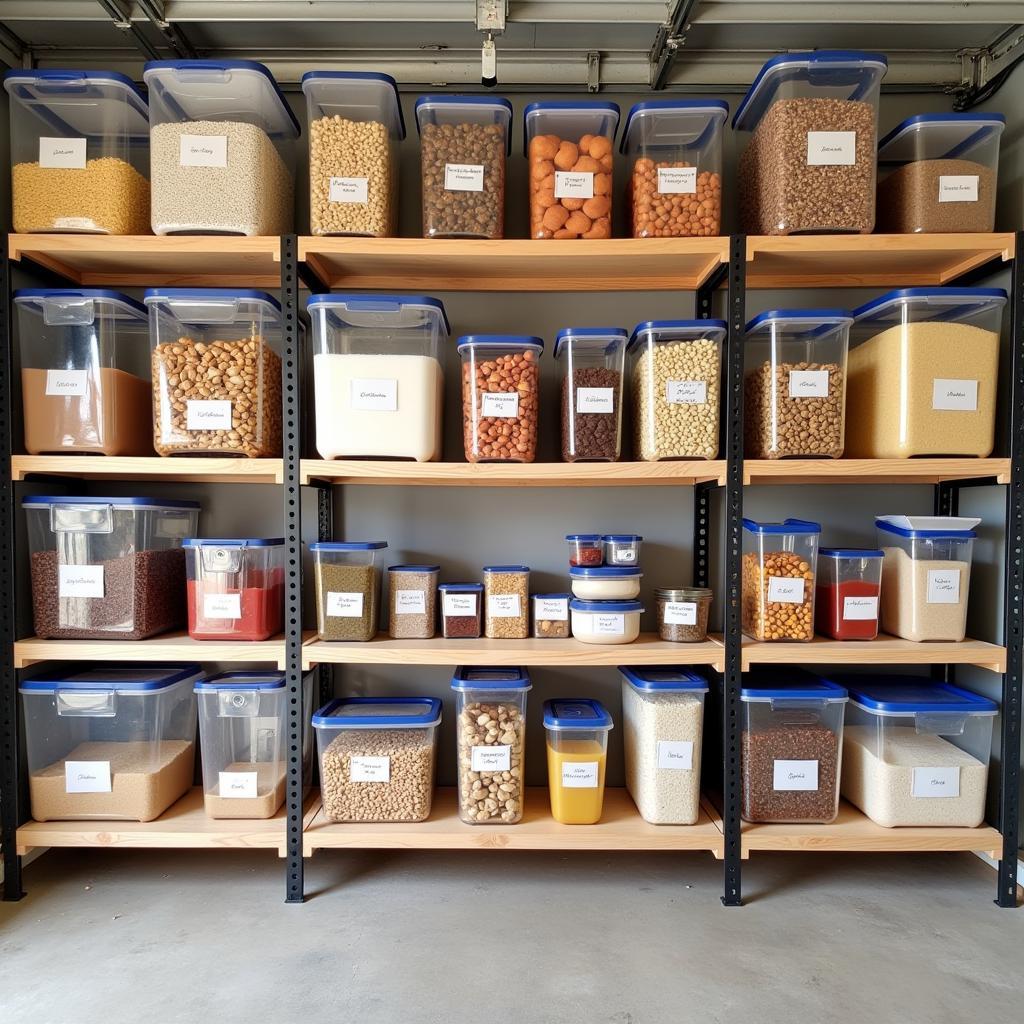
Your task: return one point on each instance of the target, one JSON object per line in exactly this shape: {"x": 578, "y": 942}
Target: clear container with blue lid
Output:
{"x": 606, "y": 582}
{"x": 585, "y": 549}
{"x": 551, "y": 616}
{"x": 506, "y": 602}
{"x": 412, "y": 601}
{"x": 347, "y": 580}
{"x": 622, "y": 548}
{"x": 577, "y": 754}
{"x": 604, "y": 621}
{"x": 461, "y": 610}
{"x": 848, "y": 588}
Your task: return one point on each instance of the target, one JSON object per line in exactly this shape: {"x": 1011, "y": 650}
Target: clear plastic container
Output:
{"x": 377, "y": 375}
{"x": 412, "y": 603}
{"x": 216, "y": 371}
{"x": 223, "y": 148}
{"x": 464, "y": 144}
{"x": 605, "y": 622}
{"x": 592, "y": 389}
{"x": 675, "y": 369}
{"x": 791, "y": 743}
{"x": 622, "y": 548}
{"x": 795, "y": 383}
{"x": 500, "y": 396}
{"x": 662, "y": 727}
{"x": 490, "y": 736}
{"x": 377, "y": 757}
{"x": 585, "y": 549}
{"x": 605, "y": 583}
{"x": 116, "y": 742}
{"x": 674, "y": 148}
{"x": 938, "y": 172}
{"x": 235, "y": 588}
{"x": 550, "y": 616}
{"x": 924, "y": 373}
{"x": 85, "y": 379}
{"x": 916, "y": 751}
{"x": 577, "y": 751}
{"x": 809, "y": 163}
{"x": 506, "y": 602}
{"x": 347, "y": 588}
{"x": 926, "y": 575}
{"x": 847, "y": 593}
{"x": 683, "y": 614}
{"x": 355, "y": 125}
{"x": 461, "y": 610}
{"x": 243, "y": 733}
{"x": 79, "y": 152}
{"x": 780, "y": 563}
{"x": 107, "y": 568}
{"x": 570, "y": 144}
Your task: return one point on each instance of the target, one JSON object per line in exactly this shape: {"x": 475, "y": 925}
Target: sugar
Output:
{"x": 269, "y": 792}
{"x": 906, "y": 611}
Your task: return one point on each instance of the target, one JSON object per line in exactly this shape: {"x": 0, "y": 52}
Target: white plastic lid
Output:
{"x": 356, "y": 96}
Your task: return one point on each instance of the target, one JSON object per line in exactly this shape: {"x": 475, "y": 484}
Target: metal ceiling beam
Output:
{"x": 860, "y": 12}
{"x": 669, "y": 38}
{"x": 173, "y": 36}
{"x": 122, "y": 21}
{"x": 14, "y": 51}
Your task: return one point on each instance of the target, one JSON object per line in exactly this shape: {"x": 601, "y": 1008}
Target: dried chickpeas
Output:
{"x": 570, "y": 187}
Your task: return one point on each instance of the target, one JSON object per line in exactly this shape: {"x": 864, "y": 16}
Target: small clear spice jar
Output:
{"x": 585, "y": 549}
{"x": 550, "y": 616}
{"x": 412, "y": 599}
{"x": 683, "y": 614}
{"x": 506, "y": 593}
{"x": 460, "y": 610}
{"x": 622, "y": 548}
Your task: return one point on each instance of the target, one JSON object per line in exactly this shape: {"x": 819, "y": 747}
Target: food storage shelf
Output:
{"x": 171, "y": 469}
{"x": 873, "y": 471}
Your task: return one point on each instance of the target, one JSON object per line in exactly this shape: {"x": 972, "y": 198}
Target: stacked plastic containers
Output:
{"x": 605, "y": 608}
{"x": 577, "y": 754}
{"x": 849, "y": 586}
{"x": 377, "y": 376}
{"x": 347, "y": 588}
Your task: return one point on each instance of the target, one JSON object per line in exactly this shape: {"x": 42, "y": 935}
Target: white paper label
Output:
{"x": 608, "y": 624}
{"x": 574, "y": 184}
{"x": 87, "y": 777}
{"x": 491, "y": 759}
{"x": 73, "y": 223}
{"x": 955, "y": 395}
{"x": 348, "y": 190}
{"x": 860, "y": 608}
{"x": 464, "y": 177}
{"x": 237, "y": 785}
{"x": 943, "y": 586}
{"x": 369, "y": 769}
{"x": 454, "y": 605}
{"x": 410, "y": 602}
{"x": 936, "y": 782}
{"x": 786, "y": 590}
{"x": 222, "y": 606}
{"x": 66, "y": 382}
{"x": 503, "y": 606}
{"x": 686, "y": 392}
{"x": 553, "y": 609}
{"x": 62, "y": 153}
{"x": 344, "y": 605}
{"x": 595, "y": 399}
{"x": 795, "y": 775}
{"x": 675, "y": 754}
{"x": 579, "y": 774}
{"x": 677, "y": 180}
{"x": 624, "y": 555}
{"x": 831, "y": 149}
{"x": 808, "y": 383}
{"x": 208, "y": 415}
{"x": 80, "y": 581}
{"x": 374, "y": 395}
{"x": 958, "y": 188}
{"x": 501, "y": 404}
{"x": 203, "y": 151}
{"x": 681, "y": 613}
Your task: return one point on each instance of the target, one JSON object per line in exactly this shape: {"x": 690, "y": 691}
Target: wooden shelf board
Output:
{"x": 172, "y": 469}
{"x": 872, "y": 471}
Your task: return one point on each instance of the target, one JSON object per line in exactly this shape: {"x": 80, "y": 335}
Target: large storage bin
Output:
{"x": 347, "y": 588}
{"x": 107, "y": 568}
{"x": 577, "y": 753}
{"x": 113, "y": 742}
{"x": 79, "y": 152}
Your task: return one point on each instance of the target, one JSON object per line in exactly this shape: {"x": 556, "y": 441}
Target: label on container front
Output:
{"x": 831, "y": 149}
{"x": 503, "y": 606}
{"x": 930, "y": 783}
{"x": 80, "y": 581}
{"x": 675, "y": 754}
{"x": 207, "y": 415}
{"x": 624, "y": 555}
{"x": 677, "y": 180}
{"x": 68, "y": 153}
{"x": 410, "y": 602}
{"x": 608, "y": 623}
{"x": 348, "y": 190}
{"x": 237, "y": 785}
{"x": 680, "y": 613}
{"x": 686, "y": 392}
{"x": 456, "y": 605}
{"x": 87, "y": 777}
{"x": 574, "y": 184}
{"x": 369, "y": 769}
{"x": 464, "y": 177}
{"x": 595, "y": 399}
{"x": 203, "y": 151}
{"x": 222, "y": 606}
{"x": 795, "y": 775}
{"x": 491, "y": 759}
{"x": 74, "y": 224}
{"x": 501, "y": 404}
{"x": 375, "y": 395}
{"x": 860, "y": 608}
{"x": 808, "y": 383}
{"x": 344, "y": 605}
{"x": 579, "y": 774}
{"x": 943, "y": 586}
{"x": 786, "y": 589}
{"x": 955, "y": 395}
{"x": 554, "y": 609}
{"x": 958, "y": 188}
{"x": 67, "y": 382}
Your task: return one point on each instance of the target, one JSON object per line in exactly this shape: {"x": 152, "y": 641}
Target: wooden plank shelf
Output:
{"x": 873, "y": 471}
{"x": 173, "y": 469}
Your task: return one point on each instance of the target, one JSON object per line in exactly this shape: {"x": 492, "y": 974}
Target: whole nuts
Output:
{"x": 491, "y": 742}
{"x": 657, "y": 214}
{"x": 570, "y": 187}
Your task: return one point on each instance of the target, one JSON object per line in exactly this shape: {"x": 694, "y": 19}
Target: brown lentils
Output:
{"x": 500, "y": 438}
{"x": 496, "y": 795}
{"x": 776, "y": 620}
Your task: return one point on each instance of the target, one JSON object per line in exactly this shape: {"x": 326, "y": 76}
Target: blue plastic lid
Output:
{"x": 471, "y": 678}
{"x": 355, "y": 79}
{"x": 247, "y": 542}
{"x": 667, "y": 679}
{"x": 135, "y": 678}
{"x": 789, "y": 684}
{"x": 957, "y": 134}
{"x": 551, "y": 597}
{"x": 902, "y": 531}
{"x": 948, "y": 303}
{"x": 501, "y": 341}
{"x": 500, "y": 108}
{"x": 576, "y": 713}
{"x": 48, "y": 500}
{"x": 850, "y": 553}
{"x": 598, "y": 108}
{"x": 909, "y": 695}
{"x": 614, "y": 337}
{"x": 602, "y": 607}
{"x": 461, "y": 588}
{"x": 242, "y": 681}
{"x": 379, "y": 713}
{"x": 347, "y": 545}
{"x": 819, "y": 319}
{"x": 622, "y": 538}
{"x": 205, "y": 294}
{"x": 786, "y": 526}
{"x": 684, "y": 113}
{"x": 698, "y": 328}
{"x": 506, "y": 568}
{"x": 414, "y": 568}
{"x": 604, "y": 572}
{"x": 584, "y": 538}
{"x": 27, "y": 297}
{"x": 337, "y": 302}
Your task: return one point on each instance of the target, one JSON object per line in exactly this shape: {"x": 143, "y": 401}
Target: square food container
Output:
{"x": 347, "y": 588}
{"x": 461, "y": 614}
{"x": 622, "y": 548}
{"x": 847, "y": 594}
{"x": 412, "y": 601}
{"x": 577, "y": 753}
{"x": 506, "y": 602}
{"x": 550, "y": 616}
{"x": 585, "y": 549}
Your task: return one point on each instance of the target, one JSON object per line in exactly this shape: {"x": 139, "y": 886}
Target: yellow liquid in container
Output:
{"x": 576, "y": 780}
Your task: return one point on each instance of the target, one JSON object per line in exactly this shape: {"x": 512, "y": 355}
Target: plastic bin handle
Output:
{"x": 76, "y": 519}
{"x": 86, "y": 704}
{"x": 238, "y": 704}
{"x": 940, "y": 724}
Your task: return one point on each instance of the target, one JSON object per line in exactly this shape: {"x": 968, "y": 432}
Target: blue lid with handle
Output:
{"x": 357, "y": 96}
{"x": 613, "y": 338}
{"x": 904, "y": 531}
{"x": 911, "y": 695}
{"x": 786, "y": 526}
{"x": 46, "y": 500}
{"x": 456, "y": 109}
{"x": 242, "y": 680}
{"x": 789, "y": 684}
{"x": 576, "y": 713}
{"x": 813, "y": 321}
{"x": 347, "y": 545}
{"x": 120, "y": 307}
{"x": 850, "y": 553}
{"x": 529, "y": 342}
{"x": 664, "y": 679}
{"x": 506, "y": 568}
{"x": 209, "y": 295}
{"x": 659, "y": 331}
{"x": 599, "y": 116}
{"x": 939, "y": 136}
{"x": 460, "y": 588}
{"x": 584, "y": 538}
{"x": 622, "y": 538}
{"x": 126, "y": 678}
{"x": 379, "y": 713}
{"x": 468, "y": 677}
{"x": 674, "y": 122}
{"x": 247, "y": 542}
{"x": 391, "y": 312}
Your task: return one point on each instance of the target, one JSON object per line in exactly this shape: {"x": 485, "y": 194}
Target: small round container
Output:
{"x": 607, "y": 583}
{"x": 412, "y": 601}
{"x": 585, "y": 549}
{"x": 622, "y": 548}
{"x": 605, "y": 622}
{"x": 461, "y": 610}
{"x": 683, "y": 614}
{"x": 550, "y": 616}
{"x": 577, "y": 748}
{"x": 848, "y": 589}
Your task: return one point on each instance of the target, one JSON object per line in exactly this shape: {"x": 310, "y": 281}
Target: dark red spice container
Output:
{"x": 846, "y": 599}
{"x": 585, "y": 549}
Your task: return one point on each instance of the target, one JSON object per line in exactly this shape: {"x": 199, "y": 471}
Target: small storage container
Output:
{"x": 461, "y": 614}
{"x": 464, "y": 143}
{"x": 347, "y": 588}
{"x": 500, "y": 396}
{"x": 223, "y": 148}
{"x": 592, "y": 388}
{"x": 675, "y": 369}
{"x": 115, "y": 742}
{"x": 795, "y": 383}
{"x": 809, "y": 162}
{"x": 674, "y": 148}
{"x": 235, "y": 588}
{"x": 377, "y": 757}
{"x": 85, "y": 380}
{"x": 491, "y": 743}
{"x": 377, "y": 376}
{"x": 683, "y": 614}
{"x": 216, "y": 371}
{"x": 605, "y": 622}
{"x": 107, "y": 568}
{"x": 569, "y": 144}
{"x": 662, "y": 725}
{"x": 847, "y": 593}
{"x": 412, "y": 591}
{"x": 926, "y": 575}
{"x": 550, "y": 616}
{"x": 924, "y": 373}
{"x": 506, "y": 602}
{"x": 79, "y": 152}
{"x": 577, "y": 749}
{"x": 916, "y": 751}
{"x": 779, "y": 573}
{"x": 622, "y": 548}
{"x": 605, "y": 583}
{"x": 585, "y": 549}
{"x": 791, "y": 746}
{"x": 355, "y": 124}
{"x": 937, "y": 173}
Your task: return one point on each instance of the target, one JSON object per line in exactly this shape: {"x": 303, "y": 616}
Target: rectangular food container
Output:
{"x": 808, "y": 165}
{"x": 107, "y": 568}
{"x": 924, "y": 373}
{"x": 85, "y": 378}
{"x": 412, "y": 601}
{"x": 605, "y": 583}
{"x": 550, "y": 616}
{"x": 377, "y": 757}
{"x": 114, "y": 742}
{"x": 506, "y": 602}
{"x": 461, "y": 615}
{"x": 577, "y": 752}
{"x": 377, "y": 375}
{"x": 585, "y": 549}
{"x": 622, "y": 548}
{"x": 683, "y": 614}
{"x": 79, "y": 152}
{"x": 605, "y": 622}
{"x": 347, "y": 588}
{"x": 847, "y": 593}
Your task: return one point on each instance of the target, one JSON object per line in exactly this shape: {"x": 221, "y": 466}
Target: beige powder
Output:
{"x": 269, "y": 793}
{"x": 906, "y": 610}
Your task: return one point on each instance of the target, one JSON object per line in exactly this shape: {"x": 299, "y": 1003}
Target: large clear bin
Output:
{"x": 347, "y": 584}
{"x": 577, "y": 753}
{"x": 847, "y": 594}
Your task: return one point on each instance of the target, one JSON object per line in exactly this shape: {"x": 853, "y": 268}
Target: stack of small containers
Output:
{"x": 604, "y": 572}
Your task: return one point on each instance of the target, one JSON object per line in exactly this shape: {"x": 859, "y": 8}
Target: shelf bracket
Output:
{"x": 984, "y": 69}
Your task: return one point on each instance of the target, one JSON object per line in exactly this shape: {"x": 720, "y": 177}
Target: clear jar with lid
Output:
{"x": 506, "y": 598}
{"x": 683, "y": 614}
{"x": 550, "y": 616}
{"x": 460, "y": 610}
{"x": 412, "y": 600}
{"x": 622, "y": 548}
{"x": 585, "y": 549}
{"x": 347, "y": 588}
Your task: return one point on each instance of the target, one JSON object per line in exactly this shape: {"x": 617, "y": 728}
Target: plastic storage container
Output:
{"x": 605, "y": 583}
{"x": 809, "y": 162}
{"x": 223, "y": 148}
{"x": 847, "y": 594}
{"x": 114, "y": 742}
{"x": 506, "y": 602}
{"x": 107, "y": 568}
{"x": 235, "y": 588}
{"x": 550, "y": 616}
{"x": 795, "y": 383}
{"x": 216, "y": 371}
{"x": 926, "y": 575}
{"x": 490, "y": 736}
{"x": 924, "y": 371}
{"x": 605, "y": 622}
{"x": 675, "y": 369}
{"x": 347, "y": 588}
{"x": 779, "y": 573}
{"x": 412, "y": 604}
{"x": 937, "y": 173}
{"x": 464, "y": 143}
{"x": 85, "y": 381}
{"x": 622, "y": 548}
{"x": 683, "y": 614}
{"x": 355, "y": 124}
{"x": 569, "y": 144}
{"x": 791, "y": 746}
{"x": 500, "y": 396}
{"x": 377, "y": 375}
{"x": 585, "y": 548}
{"x": 377, "y": 757}
{"x": 674, "y": 148}
{"x": 916, "y": 752}
{"x": 461, "y": 614}
{"x": 577, "y": 750}
{"x": 662, "y": 724}
{"x": 79, "y": 152}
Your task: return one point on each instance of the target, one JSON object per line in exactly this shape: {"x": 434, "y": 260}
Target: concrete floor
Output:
{"x": 106, "y": 937}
